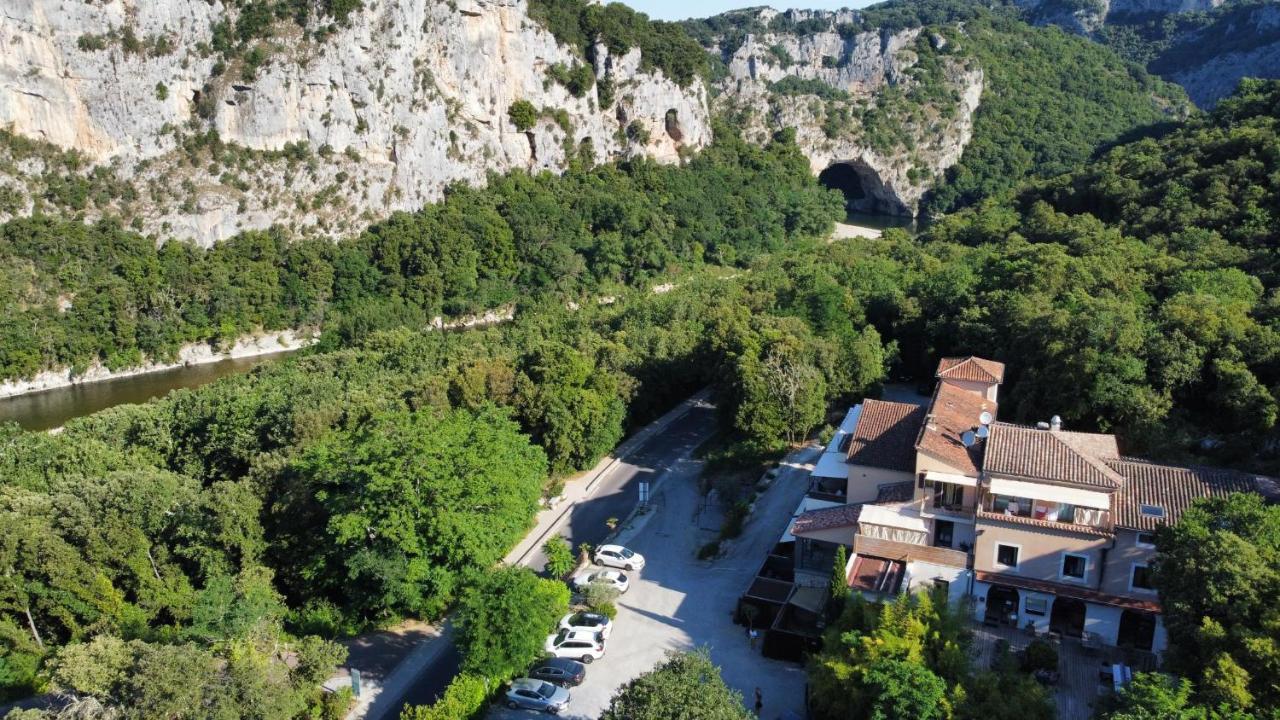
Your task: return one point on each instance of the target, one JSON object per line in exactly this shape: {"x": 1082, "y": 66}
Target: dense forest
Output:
{"x": 196, "y": 556}
{"x": 267, "y": 508}
{"x": 79, "y": 294}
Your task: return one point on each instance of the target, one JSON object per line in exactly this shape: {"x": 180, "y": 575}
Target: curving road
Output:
{"x": 419, "y": 677}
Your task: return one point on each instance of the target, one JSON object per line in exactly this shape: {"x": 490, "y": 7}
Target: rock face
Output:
{"x": 329, "y": 133}
{"x": 1209, "y": 79}
{"x": 853, "y": 101}
{"x": 1208, "y": 60}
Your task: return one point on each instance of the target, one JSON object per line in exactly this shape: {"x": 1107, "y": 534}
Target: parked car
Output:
{"x": 537, "y": 695}
{"x": 587, "y": 621}
{"x": 581, "y": 645}
{"x": 619, "y": 557}
{"x": 614, "y": 578}
{"x": 561, "y": 671}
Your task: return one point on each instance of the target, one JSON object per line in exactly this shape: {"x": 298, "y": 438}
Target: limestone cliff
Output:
{"x": 1205, "y": 46}
{"x": 321, "y": 127}
{"x": 896, "y": 108}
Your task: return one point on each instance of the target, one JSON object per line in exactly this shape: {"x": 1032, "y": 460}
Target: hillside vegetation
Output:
{"x": 1050, "y": 99}
{"x": 271, "y": 509}
{"x": 77, "y": 294}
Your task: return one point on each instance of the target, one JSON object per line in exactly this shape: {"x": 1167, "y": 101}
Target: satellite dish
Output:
{"x": 983, "y": 431}
{"x": 967, "y": 438}
{"x": 985, "y": 418}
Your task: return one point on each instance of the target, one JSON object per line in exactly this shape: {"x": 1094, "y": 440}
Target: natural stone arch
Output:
{"x": 862, "y": 187}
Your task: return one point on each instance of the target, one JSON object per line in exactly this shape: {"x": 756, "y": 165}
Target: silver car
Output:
{"x": 537, "y": 695}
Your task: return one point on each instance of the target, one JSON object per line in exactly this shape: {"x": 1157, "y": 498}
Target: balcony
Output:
{"x": 1046, "y": 513}
{"x": 943, "y": 499}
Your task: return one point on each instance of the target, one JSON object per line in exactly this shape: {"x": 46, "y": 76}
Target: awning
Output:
{"x": 951, "y": 479}
{"x": 846, "y": 429}
{"x": 890, "y": 517}
{"x": 1052, "y": 493}
{"x": 832, "y": 465}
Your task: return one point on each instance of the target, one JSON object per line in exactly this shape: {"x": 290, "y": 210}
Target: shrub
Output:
{"x": 560, "y": 559}
{"x": 598, "y": 595}
{"x": 523, "y": 114}
{"x": 463, "y": 699}
{"x": 734, "y": 520}
{"x": 710, "y": 550}
{"x": 1040, "y": 655}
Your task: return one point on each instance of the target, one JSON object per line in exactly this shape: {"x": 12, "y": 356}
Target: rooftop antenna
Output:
{"x": 968, "y": 438}
{"x": 985, "y": 418}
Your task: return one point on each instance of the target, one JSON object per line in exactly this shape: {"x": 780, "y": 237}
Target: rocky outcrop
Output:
{"x": 1227, "y": 43}
{"x": 330, "y": 132}
{"x": 1209, "y": 77}
{"x": 864, "y": 100}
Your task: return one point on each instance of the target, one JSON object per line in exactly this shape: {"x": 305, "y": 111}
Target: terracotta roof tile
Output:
{"x": 952, "y": 413}
{"x": 885, "y": 435}
{"x": 895, "y": 492}
{"x": 827, "y": 518}
{"x": 1052, "y": 455}
{"x": 971, "y": 369}
{"x": 1172, "y": 489}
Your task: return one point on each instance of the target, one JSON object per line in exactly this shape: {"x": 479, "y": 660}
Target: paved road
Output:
{"x": 614, "y": 496}
{"x": 619, "y": 492}
{"x": 679, "y": 602}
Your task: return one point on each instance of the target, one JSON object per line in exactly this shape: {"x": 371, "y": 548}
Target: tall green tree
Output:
{"x": 686, "y": 686}
{"x": 504, "y": 618}
{"x": 1218, "y": 571}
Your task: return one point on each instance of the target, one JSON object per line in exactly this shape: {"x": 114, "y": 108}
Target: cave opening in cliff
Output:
{"x": 849, "y": 181}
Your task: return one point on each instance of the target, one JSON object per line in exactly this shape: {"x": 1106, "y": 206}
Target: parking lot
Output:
{"x": 679, "y": 602}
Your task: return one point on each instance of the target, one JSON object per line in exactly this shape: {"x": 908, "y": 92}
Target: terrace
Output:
{"x": 1085, "y": 672}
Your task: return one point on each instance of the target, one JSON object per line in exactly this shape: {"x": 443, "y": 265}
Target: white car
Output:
{"x": 589, "y": 621}
{"x": 612, "y": 578}
{"x": 581, "y": 645}
{"x": 537, "y": 695}
{"x": 619, "y": 557}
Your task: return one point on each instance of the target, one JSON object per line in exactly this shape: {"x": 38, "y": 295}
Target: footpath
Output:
{"x": 400, "y": 656}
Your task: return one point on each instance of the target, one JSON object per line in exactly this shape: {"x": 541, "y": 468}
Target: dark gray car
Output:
{"x": 561, "y": 671}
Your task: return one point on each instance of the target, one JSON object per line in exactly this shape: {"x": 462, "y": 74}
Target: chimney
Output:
{"x": 1055, "y": 423}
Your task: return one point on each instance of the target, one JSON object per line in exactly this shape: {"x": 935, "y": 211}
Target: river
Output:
{"x": 53, "y": 408}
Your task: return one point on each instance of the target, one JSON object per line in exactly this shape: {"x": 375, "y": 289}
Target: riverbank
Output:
{"x": 246, "y": 346}
{"x": 844, "y": 231}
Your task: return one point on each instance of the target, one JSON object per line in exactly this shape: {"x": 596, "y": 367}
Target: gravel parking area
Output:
{"x": 679, "y": 602}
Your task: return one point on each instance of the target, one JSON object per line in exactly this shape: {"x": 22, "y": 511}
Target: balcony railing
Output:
{"x": 1047, "y": 511}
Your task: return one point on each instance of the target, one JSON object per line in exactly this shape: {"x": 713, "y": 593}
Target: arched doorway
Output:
{"x": 1002, "y": 605}
{"x": 1067, "y": 616}
{"x": 1137, "y": 630}
{"x": 862, "y": 188}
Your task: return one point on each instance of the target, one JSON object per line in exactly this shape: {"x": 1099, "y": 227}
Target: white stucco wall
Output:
{"x": 1102, "y": 620}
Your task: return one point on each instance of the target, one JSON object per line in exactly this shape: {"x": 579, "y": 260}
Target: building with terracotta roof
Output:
{"x": 1038, "y": 527}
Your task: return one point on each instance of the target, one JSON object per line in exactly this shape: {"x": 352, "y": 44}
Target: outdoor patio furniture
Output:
{"x": 1090, "y": 642}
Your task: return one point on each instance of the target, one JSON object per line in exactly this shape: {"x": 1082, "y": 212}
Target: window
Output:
{"x": 1154, "y": 511}
{"x": 1007, "y": 555}
{"x": 1037, "y": 606}
{"x": 942, "y": 586}
{"x": 1146, "y": 540}
{"x": 1074, "y": 566}
{"x": 1141, "y": 578}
